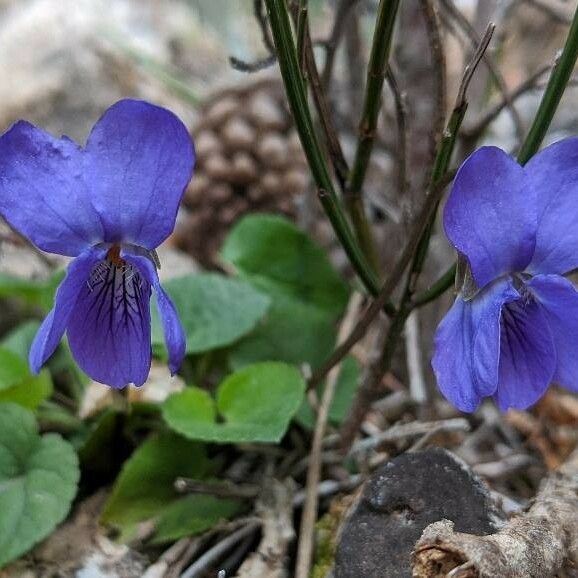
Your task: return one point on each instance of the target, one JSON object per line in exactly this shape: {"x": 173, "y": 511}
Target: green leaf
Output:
{"x": 278, "y": 257}
{"x": 33, "y": 292}
{"x": 345, "y": 389}
{"x": 292, "y": 332}
{"x": 38, "y": 480}
{"x": 20, "y": 339}
{"x": 12, "y": 369}
{"x": 145, "y": 485}
{"x": 192, "y": 515}
{"x": 255, "y": 404}
{"x": 215, "y": 311}
{"x": 30, "y": 392}
{"x": 18, "y": 385}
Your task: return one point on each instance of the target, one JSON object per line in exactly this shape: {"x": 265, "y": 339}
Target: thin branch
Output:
{"x": 493, "y": 69}
{"x": 332, "y": 43}
{"x": 261, "y": 17}
{"x": 402, "y": 137}
{"x": 322, "y": 106}
{"x": 476, "y": 128}
{"x": 369, "y": 388}
{"x": 215, "y": 553}
{"x": 439, "y": 65}
{"x": 297, "y": 96}
{"x": 224, "y": 489}
{"x": 309, "y": 517}
{"x": 378, "y": 61}
{"x": 418, "y": 226}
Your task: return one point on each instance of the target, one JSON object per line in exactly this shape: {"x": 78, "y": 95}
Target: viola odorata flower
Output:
{"x": 108, "y": 204}
{"x": 517, "y": 228}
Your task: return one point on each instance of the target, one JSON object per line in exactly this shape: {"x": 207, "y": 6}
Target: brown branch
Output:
{"x": 432, "y": 26}
{"x": 309, "y": 517}
{"x": 402, "y": 137}
{"x": 322, "y": 106}
{"x": 418, "y": 226}
{"x": 493, "y": 69}
{"x": 332, "y": 44}
{"x": 223, "y": 489}
{"x": 477, "y": 127}
{"x": 535, "y": 544}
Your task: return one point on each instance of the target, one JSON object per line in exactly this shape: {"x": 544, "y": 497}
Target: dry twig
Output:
{"x": 535, "y": 544}
{"x": 305, "y": 547}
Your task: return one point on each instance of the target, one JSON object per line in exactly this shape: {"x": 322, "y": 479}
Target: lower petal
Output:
{"x": 52, "y": 329}
{"x": 173, "y": 330}
{"x": 467, "y": 345}
{"x": 109, "y": 330}
{"x": 527, "y": 355}
{"x": 559, "y": 300}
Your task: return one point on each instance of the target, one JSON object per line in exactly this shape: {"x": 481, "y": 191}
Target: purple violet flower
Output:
{"x": 109, "y": 205}
{"x": 517, "y": 227}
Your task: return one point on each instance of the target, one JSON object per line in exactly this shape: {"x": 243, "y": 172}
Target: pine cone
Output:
{"x": 249, "y": 159}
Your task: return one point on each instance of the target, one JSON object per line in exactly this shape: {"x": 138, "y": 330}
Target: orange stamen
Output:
{"x": 114, "y": 257}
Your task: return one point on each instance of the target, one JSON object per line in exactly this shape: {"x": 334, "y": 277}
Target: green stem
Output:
{"x": 297, "y": 96}
{"x": 552, "y": 95}
{"x": 376, "y": 71}
{"x": 301, "y": 30}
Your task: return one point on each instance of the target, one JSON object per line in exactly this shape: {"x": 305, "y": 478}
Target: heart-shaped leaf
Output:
{"x": 275, "y": 255}
{"x": 293, "y": 332}
{"x": 18, "y": 385}
{"x": 255, "y": 404}
{"x": 38, "y": 480}
{"x": 215, "y": 310}
{"x": 145, "y": 485}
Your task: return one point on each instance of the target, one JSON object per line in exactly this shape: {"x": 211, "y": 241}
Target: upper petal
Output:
{"x": 139, "y": 159}
{"x": 52, "y": 329}
{"x": 559, "y": 300}
{"x": 173, "y": 330}
{"x": 552, "y": 177}
{"x": 527, "y": 355}
{"x": 42, "y": 191}
{"x": 467, "y": 346}
{"x": 109, "y": 329}
{"x": 490, "y": 215}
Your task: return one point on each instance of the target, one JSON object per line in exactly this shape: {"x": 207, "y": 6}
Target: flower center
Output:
{"x": 113, "y": 256}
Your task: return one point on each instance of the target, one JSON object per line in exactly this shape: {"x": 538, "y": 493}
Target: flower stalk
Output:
{"x": 297, "y": 97}
{"x": 376, "y": 72}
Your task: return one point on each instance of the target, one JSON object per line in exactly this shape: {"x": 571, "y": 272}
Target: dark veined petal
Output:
{"x": 109, "y": 330}
{"x": 52, "y": 329}
{"x": 173, "y": 330}
{"x": 527, "y": 355}
{"x": 552, "y": 177}
{"x": 467, "y": 346}
{"x": 490, "y": 215}
{"x": 559, "y": 300}
{"x": 42, "y": 191}
{"x": 139, "y": 159}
